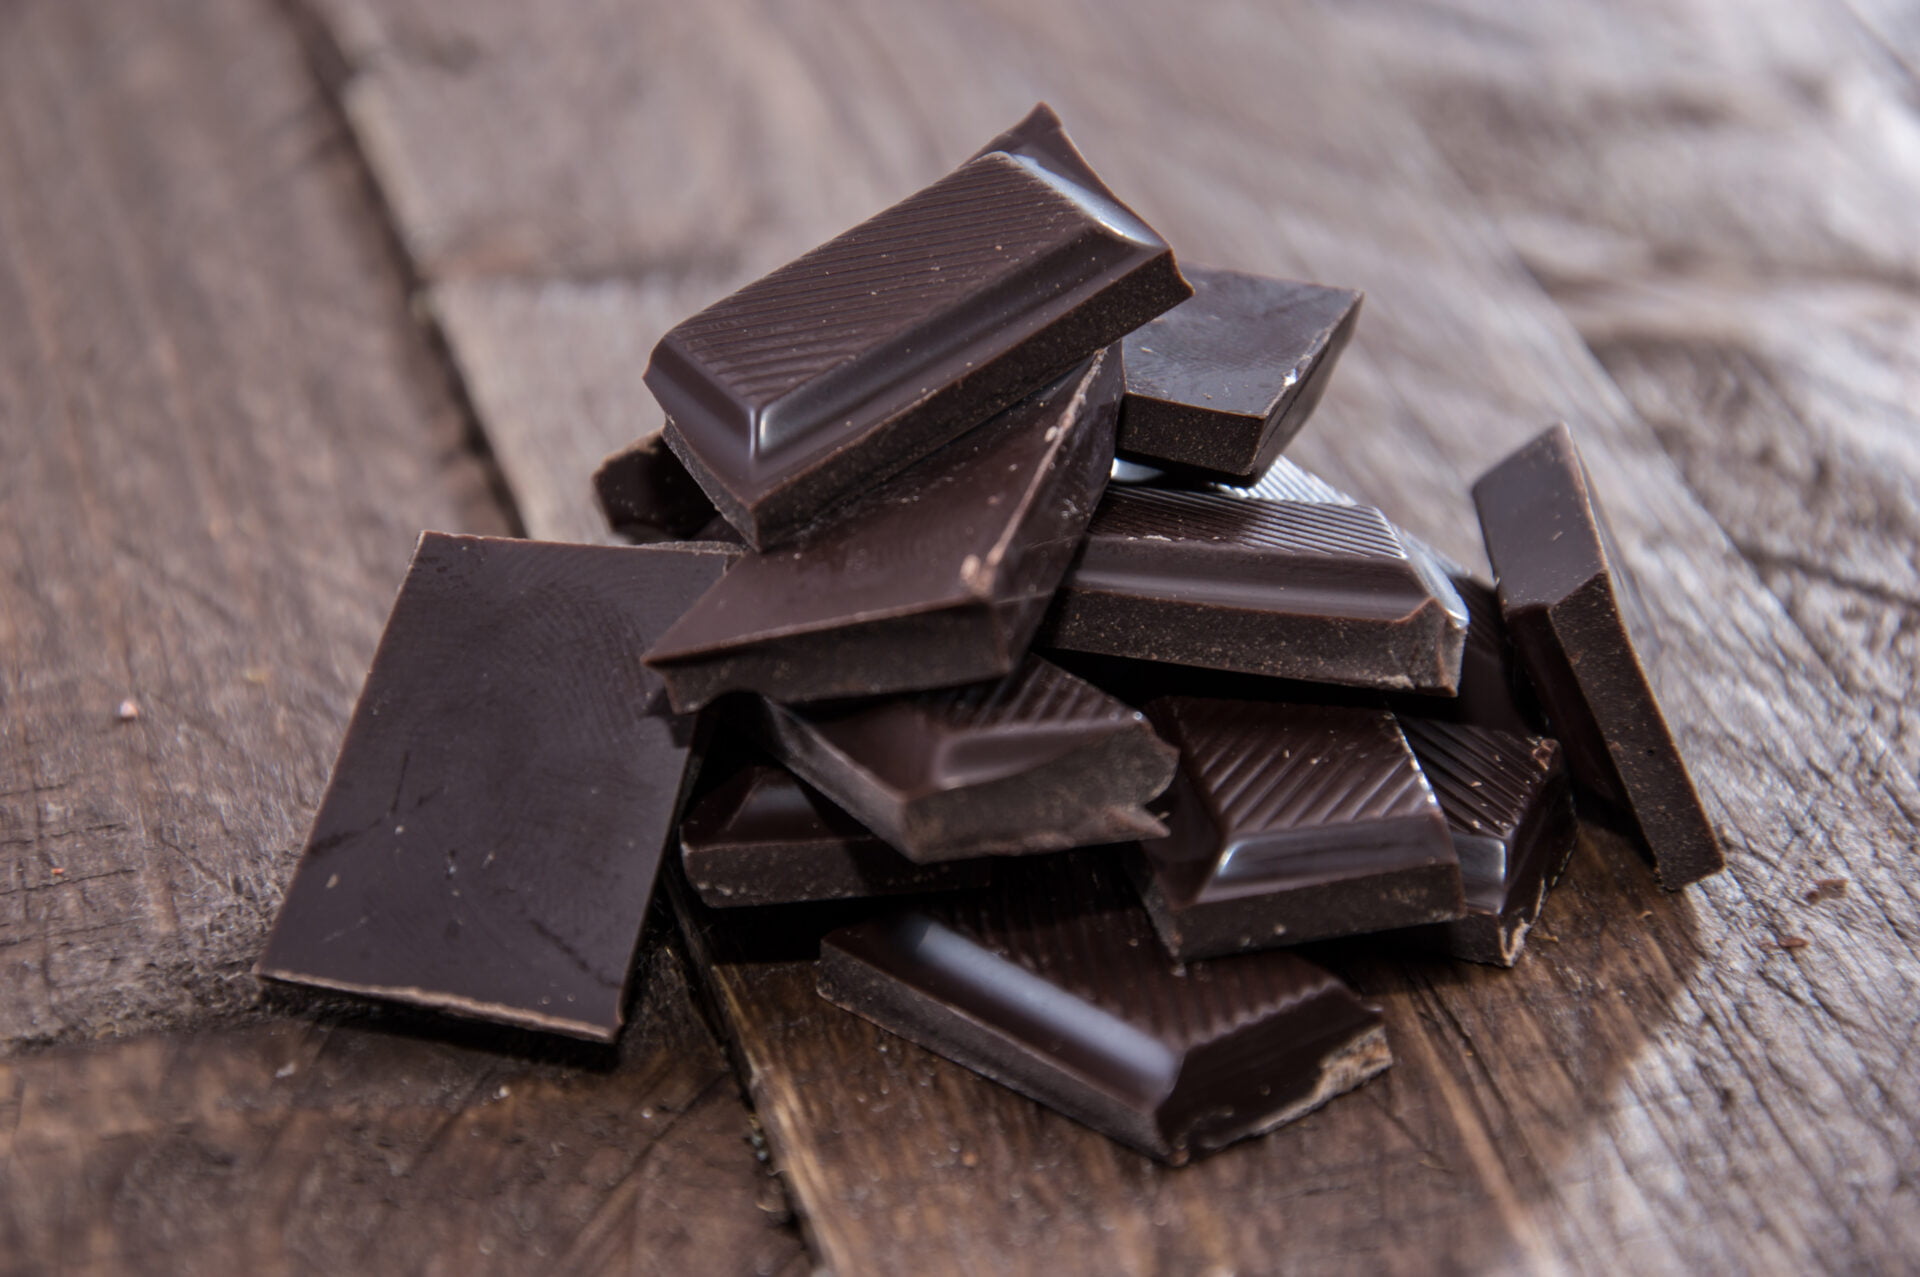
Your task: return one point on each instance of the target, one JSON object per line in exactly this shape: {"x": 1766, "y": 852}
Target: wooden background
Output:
{"x": 282, "y": 284}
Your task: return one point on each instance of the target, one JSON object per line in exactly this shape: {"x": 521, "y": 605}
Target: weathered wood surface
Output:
{"x": 1659, "y": 1086}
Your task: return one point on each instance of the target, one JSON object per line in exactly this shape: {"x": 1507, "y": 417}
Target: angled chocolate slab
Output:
{"x": 1290, "y": 823}
{"x": 1284, "y": 589}
{"x": 488, "y": 843}
{"x": 647, "y": 495}
{"x": 937, "y": 578}
{"x": 1509, "y": 807}
{"x": 1560, "y": 591}
{"x": 1052, "y": 984}
{"x": 1222, "y": 382}
{"x": 805, "y": 388}
{"x": 762, "y": 836}
{"x": 1038, "y": 761}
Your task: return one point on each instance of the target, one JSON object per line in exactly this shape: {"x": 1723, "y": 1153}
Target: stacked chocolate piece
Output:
{"x": 1099, "y": 739}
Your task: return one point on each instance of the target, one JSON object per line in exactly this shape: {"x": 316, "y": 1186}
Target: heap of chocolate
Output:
{"x": 1097, "y": 752}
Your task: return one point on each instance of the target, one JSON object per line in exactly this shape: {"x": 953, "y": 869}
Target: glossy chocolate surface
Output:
{"x": 1285, "y": 589}
{"x": 1052, "y": 984}
{"x": 1561, "y": 594}
{"x": 488, "y": 843}
{"x": 805, "y": 388}
{"x": 1038, "y": 761}
{"x": 647, "y": 495}
{"x": 762, "y": 836}
{"x": 938, "y": 578}
{"x": 1225, "y": 380}
{"x": 1290, "y": 823}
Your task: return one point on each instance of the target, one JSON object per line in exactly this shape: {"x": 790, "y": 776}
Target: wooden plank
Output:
{"x": 1658, "y": 1086}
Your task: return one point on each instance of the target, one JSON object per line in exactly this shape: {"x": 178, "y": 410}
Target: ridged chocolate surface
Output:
{"x": 1561, "y": 599}
{"x": 937, "y": 578}
{"x": 1223, "y": 381}
{"x": 488, "y": 842}
{"x": 1054, "y": 984}
{"x": 877, "y": 347}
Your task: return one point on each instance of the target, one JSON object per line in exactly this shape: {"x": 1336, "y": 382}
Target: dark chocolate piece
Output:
{"x": 1560, "y": 590}
{"x": 856, "y": 360}
{"x": 1052, "y": 984}
{"x": 1493, "y": 691}
{"x": 488, "y": 842}
{"x": 647, "y": 495}
{"x": 937, "y": 579}
{"x": 1039, "y": 761}
{"x": 1291, "y": 823}
{"x": 1225, "y": 380}
{"x": 1284, "y": 589}
{"x": 763, "y": 837}
{"x": 1510, "y": 809}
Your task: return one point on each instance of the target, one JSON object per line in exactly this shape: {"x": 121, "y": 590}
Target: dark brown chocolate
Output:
{"x": 1284, "y": 589}
{"x": 806, "y": 388}
{"x": 647, "y": 495}
{"x": 1510, "y": 809}
{"x": 1290, "y": 823}
{"x": 1039, "y": 761}
{"x": 762, "y": 836}
{"x": 488, "y": 843}
{"x": 1222, "y": 382}
{"x": 938, "y": 578}
{"x": 1052, "y": 984}
{"x": 1561, "y": 593}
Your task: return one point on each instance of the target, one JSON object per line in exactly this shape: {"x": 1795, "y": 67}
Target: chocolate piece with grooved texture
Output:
{"x": 1052, "y": 984}
{"x": 866, "y": 354}
{"x": 1284, "y": 589}
{"x": 1291, "y": 823}
{"x": 1224, "y": 381}
{"x": 488, "y": 843}
{"x": 1039, "y": 761}
{"x": 1560, "y": 590}
{"x": 763, "y": 837}
{"x": 1510, "y": 809}
{"x": 647, "y": 495}
{"x": 937, "y": 579}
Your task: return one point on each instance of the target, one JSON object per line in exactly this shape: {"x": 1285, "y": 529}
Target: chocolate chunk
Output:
{"x": 1052, "y": 984}
{"x": 938, "y": 578}
{"x": 1510, "y": 809}
{"x": 1493, "y": 691}
{"x": 1291, "y": 823}
{"x": 1561, "y": 592}
{"x": 647, "y": 495}
{"x": 1224, "y": 381}
{"x": 1285, "y": 589}
{"x": 1039, "y": 761}
{"x": 488, "y": 843}
{"x": 866, "y": 354}
{"x": 763, "y": 837}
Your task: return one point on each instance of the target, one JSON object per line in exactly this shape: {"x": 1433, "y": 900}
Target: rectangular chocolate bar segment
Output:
{"x": 1560, "y": 591}
{"x": 938, "y": 578}
{"x": 1222, "y": 382}
{"x": 761, "y": 836}
{"x": 1052, "y": 984}
{"x": 1510, "y": 809}
{"x": 647, "y": 495}
{"x": 1284, "y": 589}
{"x": 866, "y": 354}
{"x": 1039, "y": 761}
{"x": 488, "y": 843}
{"x": 1290, "y": 823}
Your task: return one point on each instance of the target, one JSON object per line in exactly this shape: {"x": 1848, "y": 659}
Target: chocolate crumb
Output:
{"x": 128, "y": 711}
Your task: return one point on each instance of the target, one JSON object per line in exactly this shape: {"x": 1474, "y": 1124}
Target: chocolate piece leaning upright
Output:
{"x": 1291, "y": 823}
{"x": 1560, "y": 590}
{"x": 1052, "y": 984}
{"x": 647, "y": 495}
{"x": 1225, "y": 380}
{"x": 488, "y": 843}
{"x": 866, "y": 354}
{"x": 761, "y": 836}
{"x": 1320, "y": 592}
{"x": 937, "y": 578}
{"x": 1039, "y": 761}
